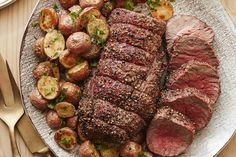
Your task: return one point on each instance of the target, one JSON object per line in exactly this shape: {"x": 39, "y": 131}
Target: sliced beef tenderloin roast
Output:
{"x": 170, "y": 133}
{"x": 120, "y": 99}
{"x": 198, "y": 75}
{"x": 187, "y": 25}
{"x": 191, "y": 102}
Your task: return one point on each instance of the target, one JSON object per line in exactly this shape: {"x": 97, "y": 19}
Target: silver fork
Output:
{"x": 10, "y": 106}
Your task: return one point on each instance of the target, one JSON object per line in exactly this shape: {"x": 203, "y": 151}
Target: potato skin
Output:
{"x": 81, "y": 135}
{"x": 68, "y": 59}
{"x": 91, "y": 3}
{"x": 88, "y": 14}
{"x": 72, "y": 122}
{"x": 43, "y": 69}
{"x": 72, "y": 92}
{"x": 48, "y": 19}
{"x": 65, "y": 110}
{"x": 67, "y": 3}
{"x": 93, "y": 52}
{"x": 67, "y": 25}
{"x": 80, "y": 71}
{"x": 53, "y": 120}
{"x": 78, "y": 43}
{"x": 66, "y": 138}
{"x": 130, "y": 149}
{"x": 87, "y": 149}
{"x": 39, "y": 49}
{"x": 37, "y": 100}
{"x": 107, "y": 8}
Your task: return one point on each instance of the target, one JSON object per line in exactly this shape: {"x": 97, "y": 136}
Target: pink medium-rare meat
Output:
{"x": 187, "y": 25}
{"x": 189, "y": 48}
{"x": 190, "y": 102}
{"x": 135, "y": 36}
{"x": 119, "y": 99}
{"x": 120, "y": 15}
{"x": 170, "y": 133}
{"x": 199, "y": 75}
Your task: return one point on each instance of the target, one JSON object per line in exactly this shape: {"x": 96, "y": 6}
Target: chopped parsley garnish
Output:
{"x": 78, "y": 94}
{"x": 51, "y": 104}
{"x": 65, "y": 142}
{"x": 56, "y": 7}
{"x": 35, "y": 24}
{"x": 62, "y": 95}
{"x": 100, "y": 147}
{"x": 153, "y": 4}
{"x": 49, "y": 30}
{"x": 54, "y": 39}
{"x": 97, "y": 37}
{"x": 91, "y": 17}
{"x": 108, "y": 6}
{"x": 63, "y": 124}
{"x": 74, "y": 15}
{"x": 129, "y": 4}
{"x": 93, "y": 64}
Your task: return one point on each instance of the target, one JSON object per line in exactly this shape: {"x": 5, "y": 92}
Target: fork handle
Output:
{"x": 15, "y": 152}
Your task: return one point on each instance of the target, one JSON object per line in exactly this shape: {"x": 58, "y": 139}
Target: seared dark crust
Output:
{"x": 120, "y": 15}
{"x": 128, "y": 53}
{"x": 135, "y": 36}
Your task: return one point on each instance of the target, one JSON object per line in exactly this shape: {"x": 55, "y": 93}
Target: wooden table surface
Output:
{"x": 12, "y": 23}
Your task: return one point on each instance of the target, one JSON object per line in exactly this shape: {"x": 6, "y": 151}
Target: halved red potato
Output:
{"x": 66, "y": 138}
{"x": 81, "y": 135}
{"x": 54, "y": 44}
{"x": 39, "y": 49}
{"x": 37, "y": 100}
{"x": 163, "y": 11}
{"x": 71, "y": 92}
{"x": 48, "y": 87}
{"x": 75, "y": 8}
{"x": 109, "y": 152}
{"x": 69, "y": 23}
{"x": 48, "y": 19}
{"x": 93, "y": 52}
{"x": 56, "y": 71}
{"x": 72, "y": 122}
{"x": 43, "y": 69}
{"x": 107, "y": 8}
{"x": 67, "y": 3}
{"x": 80, "y": 71}
{"x": 98, "y": 29}
{"x": 87, "y": 149}
{"x": 65, "y": 109}
{"x": 53, "y": 120}
{"x": 130, "y": 149}
{"x": 89, "y": 13}
{"x": 79, "y": 43}
{"x": 91, "y": 3}
{"x": 68, "y": 78}
{"x": 68, "y": 59}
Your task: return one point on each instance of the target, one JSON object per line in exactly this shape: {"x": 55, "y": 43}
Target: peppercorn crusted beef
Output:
{"x": 119, "y": 100}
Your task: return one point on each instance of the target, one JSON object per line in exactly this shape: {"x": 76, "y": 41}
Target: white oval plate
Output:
{"x": 4, "y": 3}
{"x": 223, "y": 124}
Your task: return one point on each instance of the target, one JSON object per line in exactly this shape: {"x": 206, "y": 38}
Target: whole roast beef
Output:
{"x": 120, "y": 99}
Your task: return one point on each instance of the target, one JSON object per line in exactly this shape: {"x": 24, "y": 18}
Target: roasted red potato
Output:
{"x": 163, "y": 11}
{"x": 98, "y": 29}
{"x": 76, "y": 9}
{"x": 130, "y": 149}
{"x": 65, "y": 109}
{"x": 69, "y": 23}
{"x": 79, "y": 43}
{"x": 68, "y": 59}
{"x": 53, "y": 120}
{"x": 107, "y": 8}
{"x": 56, "y": 71}
{"x": 37, "y": 100}
{"x": 89, "y": 13}
{"x": 81, "y": 135}
{"x": 67, "y": 3}
{"x": 39, "y": 49}
{"x": 91, "y": 3}
{"x": 109, "y": 152}
{"x": 43, "y": 69}
{"x": 66, "y": 138}
{"x": 54, "y": 44}
{"x": 48, "y": 87}
{"x": 87, "y": 149}
{"x": 146, "y": 154}
{"x": 93, "y": 52}
{"x": 48, "y": 19}
{"x": 71, "y": 92}
{"x": 72, "y": 122}
{"x": 69, "y": 79}
{"x": 80, "y": 71}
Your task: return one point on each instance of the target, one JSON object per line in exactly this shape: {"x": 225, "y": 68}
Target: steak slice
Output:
{"x": 189, "y": 48}
{"x": 105, "y": 88}
{"x": 170, "y": 133}
{"x": 198, "y": 75}
{"x": 127, "y": 73}
{"x": 191, "y": 103}
{"x": 128, "y": 121}
{"x": 135, "y": 36}
{"x": 120, "y": 15}
{"x": 128, "y": 53}
{"x": 187, "y": 25}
